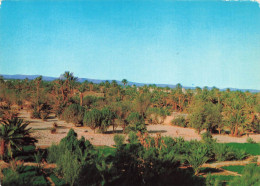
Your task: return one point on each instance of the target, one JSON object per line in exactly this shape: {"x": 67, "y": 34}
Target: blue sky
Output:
{"x": 195, "y": 43}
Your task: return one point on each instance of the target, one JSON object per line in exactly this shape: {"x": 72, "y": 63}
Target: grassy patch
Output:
{"x": 237, "y": 168}
{"x": 224, "y": 178}
{"x": 106, "y": 150}
{"x": 253, "y": 149}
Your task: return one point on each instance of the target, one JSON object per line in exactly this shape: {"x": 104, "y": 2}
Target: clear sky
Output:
{"x": 195, "y": 43}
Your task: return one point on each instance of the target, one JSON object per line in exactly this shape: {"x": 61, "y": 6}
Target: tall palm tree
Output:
{"x": 38, "y": 81}
{"x": 124, "y": 81}
{"x": 82, "y": 89}
{"x": 13, "y": 135}
{"x": 69, "y": 79}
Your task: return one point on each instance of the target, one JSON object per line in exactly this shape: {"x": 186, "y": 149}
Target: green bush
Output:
{"x": 198, "y": 157}
{"x": 74, "y": 114}
{"x": 75, "y": 160}
{"x": 119, "y": 140}
{"x": 93, "y": 119}
{"x": 136, "y": 123}
{"x": 179, "y": 121}
{"x": 250, "y": 140}
{"x": 218, "y": 180}
{"x": 132, "y": 137}
{"x": 250, "y": 176}
{"x": 152, "y": 165}
{"x": 23, "y": 176}
{"x": 224, "y": 152}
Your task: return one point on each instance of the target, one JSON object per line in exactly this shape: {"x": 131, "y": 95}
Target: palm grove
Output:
{"x": 109, "y": 104}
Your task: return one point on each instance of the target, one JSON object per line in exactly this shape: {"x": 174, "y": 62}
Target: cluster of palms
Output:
{"x": 235, "y": 110}
{"x": 14, "y": 134}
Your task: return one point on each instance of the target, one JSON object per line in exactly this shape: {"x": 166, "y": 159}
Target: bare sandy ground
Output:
{"x": 41, "y": 131}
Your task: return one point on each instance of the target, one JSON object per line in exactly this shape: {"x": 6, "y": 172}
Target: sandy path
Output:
{"x": 41, "y": 131}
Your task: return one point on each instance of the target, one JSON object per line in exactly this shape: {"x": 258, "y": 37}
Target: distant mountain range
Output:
{"x": 97, "y": 81}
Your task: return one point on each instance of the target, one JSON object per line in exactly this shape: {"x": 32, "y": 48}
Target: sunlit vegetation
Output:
{"x": 253, "y": 149}
{"x": 137, "y": 157}
{"x": 238, "y": 168}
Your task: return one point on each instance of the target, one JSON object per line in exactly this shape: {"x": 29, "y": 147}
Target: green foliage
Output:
{"x": 235, "y": 168}
{"x": 136, "y": 123}
{"x": 198, "y": 157}
{"x": 218, "y": 180}
{"x": 132, "y": 137}
{"x": 249, "y": 148}
{"x": 108, "y": 117}
{"x": 14, "y": 134}
{"x": 153, "y": 165}
{"x": 57, "y": 181}
{"x": 22, "y": 175}
{"x": 93, "y": 118}
{"x": 224, "y": 152}
{"x": 41, "y": 110}
{"x": 106, "y": 150}
{"x": 205, "y": 116}
{"x": 250, "y": 176}
{"x": 78, "y": 162}
{"x": 119, "y": 140}
{"x": 250, "y": 140}
{"x": 157, "y": 115}
{"x": 179, "y": 121}
{"x": 101, "y": 119}
{"x": 68, "y": 166}
{"x": 74, "y": 114}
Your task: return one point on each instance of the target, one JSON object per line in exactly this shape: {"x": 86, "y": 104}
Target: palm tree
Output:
{"x": 38, "y": 81}
{"x": 124, "y": 81}
{"x": 69, "y": 79}
{"x": 13, "y": 135}
{"x": 82, "y": 89}
{"x": 114, "y": 83}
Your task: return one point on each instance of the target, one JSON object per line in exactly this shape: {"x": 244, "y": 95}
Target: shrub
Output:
{"x": 212, "y": 181}
{"x": 57, "y": 181}
{"x": 71, "y": 156}
{"x": 119, "y": 139}
{"x": 250, "y": 140}
{"x": 206, "y": 136}
{"x": 74, "y": 114}
{"x": 93, "y": 119}
{"x": 132, "y": 137}
{"x": 223, "y": 153}
{"x": 23, "y": 175}
{"x": 197, "y": 158}
{"x": 68, "y": 166}
{"x": 179, "y": 121}
{"x": 138, "y": 164}
{"x": 136, "y": 123}
{"x": 250, "y": 176}
{"x": 157, "y": 114}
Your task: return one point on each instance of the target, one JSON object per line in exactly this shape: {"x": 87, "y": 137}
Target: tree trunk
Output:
{"x": 2, "y": 150}
{"x": 236, "y": 131}
{"x": 62, "y": 92}
{"x": 231, "y": 132}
